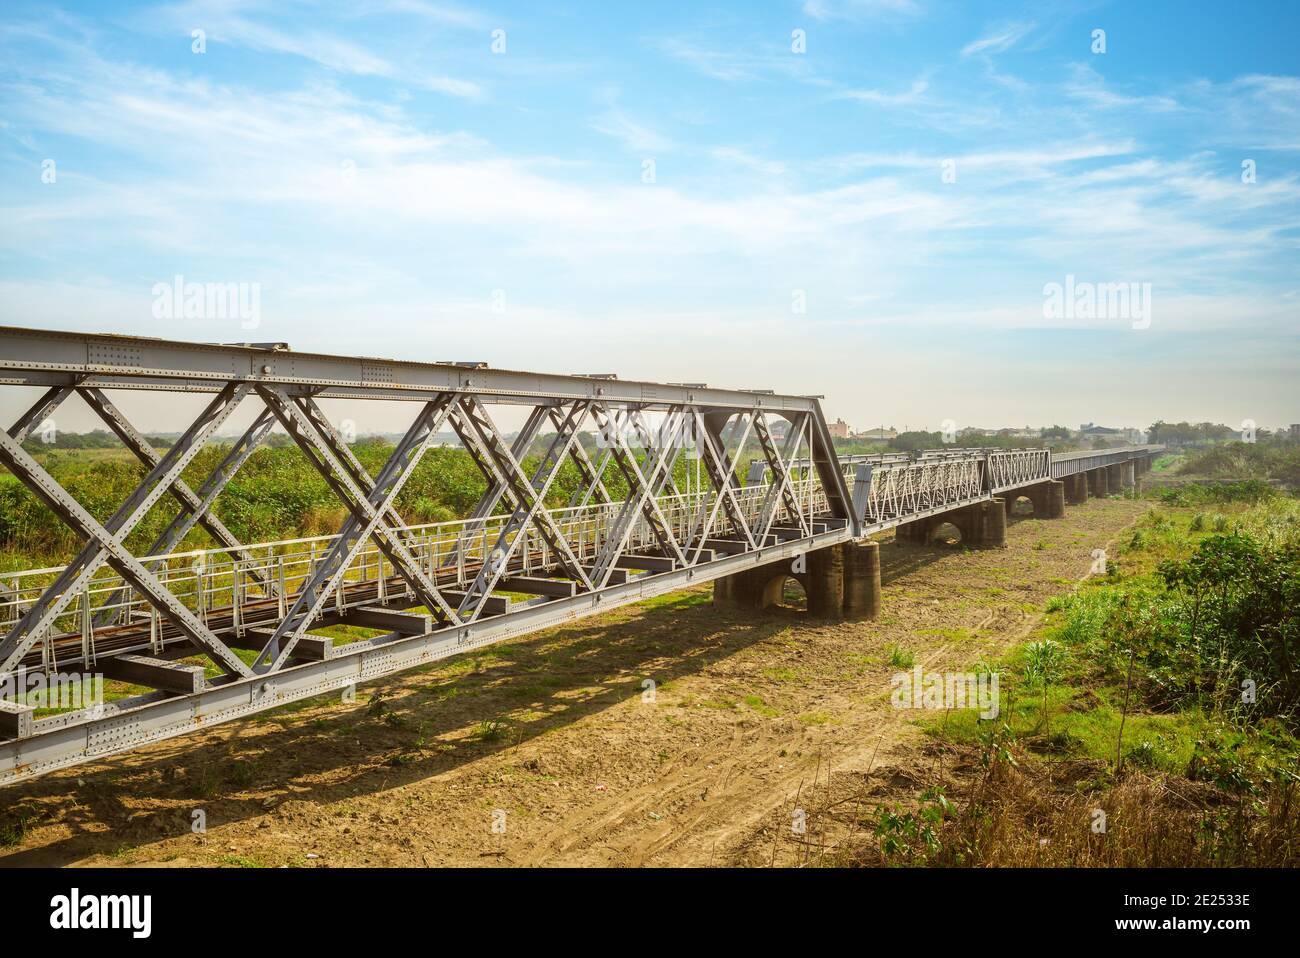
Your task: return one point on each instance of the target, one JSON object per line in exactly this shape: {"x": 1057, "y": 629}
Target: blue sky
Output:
{"x": 397, "y": 187}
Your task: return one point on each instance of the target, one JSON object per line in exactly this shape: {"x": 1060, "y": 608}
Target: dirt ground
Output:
{"x": 553, "y": 750}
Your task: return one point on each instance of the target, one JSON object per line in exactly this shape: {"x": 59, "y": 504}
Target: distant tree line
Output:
{"x": 1208, "y": 433}
{"x": 95, "y": 439}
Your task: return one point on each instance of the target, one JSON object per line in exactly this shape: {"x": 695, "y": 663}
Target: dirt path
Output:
{"x": 558, "y": 739}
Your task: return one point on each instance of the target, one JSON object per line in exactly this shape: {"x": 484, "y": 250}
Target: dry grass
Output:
{"x": 998, "y": 807}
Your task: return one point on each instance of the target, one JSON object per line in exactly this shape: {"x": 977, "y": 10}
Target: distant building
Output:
{"x": 1128, "y": 434}
{"x": 877, "y": 434}
{"x": 1294, "y": 431}
{"x": 1089, "y": 430}
{"x": 839, "y": 429}
{"x": 1025, "y": 433}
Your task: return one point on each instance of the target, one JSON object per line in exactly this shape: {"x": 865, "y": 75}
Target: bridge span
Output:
{"x": 740, "y": 488}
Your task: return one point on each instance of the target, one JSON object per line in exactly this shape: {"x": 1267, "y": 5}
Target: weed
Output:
{"x": 900, "y": 658}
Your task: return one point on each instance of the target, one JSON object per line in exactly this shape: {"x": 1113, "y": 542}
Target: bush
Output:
{"x": 1249, "y": 491}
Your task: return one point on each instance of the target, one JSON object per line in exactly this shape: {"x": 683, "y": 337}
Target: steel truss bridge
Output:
{"x": 204, "y": 636}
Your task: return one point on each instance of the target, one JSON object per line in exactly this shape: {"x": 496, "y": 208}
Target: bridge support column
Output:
{"x": 1053, "y": 498}
{"x": 1047, "y": 498}
{"x": 759, "y": 588}
{"x": 1127, "y": 475}
{"x": 825, "y": 584}
{"x": 969, "y": 521}
{"x": 861, "y": 580}
{"x": 1097, "y": 482}
{"x": 1076, "y": 489}
{"x": 1114, "y": 478}
{"x": 995, "y": 523}
{"x": 756, "y": 588}
{"x": 916, "y": 532}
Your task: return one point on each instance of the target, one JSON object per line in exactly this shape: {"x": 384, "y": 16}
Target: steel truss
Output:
{"x": 1073, "y": 463}
{"x": 1015, "y": 468}
{"x": 901, "y": 490}
{"x": 248, "y": 616}
{"x": 227, "y": 629}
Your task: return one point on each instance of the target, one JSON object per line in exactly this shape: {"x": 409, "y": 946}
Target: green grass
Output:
{"x": 781, "y": 674}
{"x": 242, "y": 861}
{"x": 1076, "y": 725}
{"x": 952, "y": 635}
{"x": 1081, "y": 714}
{"x": 901, "y": 658}
{"x": 725, "y": 705}
{"x": 491, "y": 730}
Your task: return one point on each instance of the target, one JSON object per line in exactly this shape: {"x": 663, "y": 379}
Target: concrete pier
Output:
{"x": 995, "y": 523}
{"x": 841, "y": 582}
{"x": 1047, "y": 498}
{"x": 861, "y": 580}
{"x": 1097, "y": 483}
{"x": 825, "y": 585}
{"x": 1076, "y": 489}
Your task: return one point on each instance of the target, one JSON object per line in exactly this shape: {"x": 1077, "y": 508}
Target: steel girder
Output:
{"x": 916, "y": 488}
{"x": 481, "y": 438}
{"x": 529, "y": 505}
{"x": 41, "y": 410}
{"x": 369, "y": 503}
{"x": 34, "y": 357}
{"x": 1072, "y": 463}
{"x": 106, "y": 542}
{"x": 1013, "y": 468}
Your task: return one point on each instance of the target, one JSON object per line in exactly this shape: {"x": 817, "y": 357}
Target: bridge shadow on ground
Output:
{"x": 403, "y": 729}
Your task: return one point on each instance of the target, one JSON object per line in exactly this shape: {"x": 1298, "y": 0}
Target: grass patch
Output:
{"x": 900, "y": 658}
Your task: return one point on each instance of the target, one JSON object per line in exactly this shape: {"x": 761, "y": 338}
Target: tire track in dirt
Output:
{"x": 729, "y": 791}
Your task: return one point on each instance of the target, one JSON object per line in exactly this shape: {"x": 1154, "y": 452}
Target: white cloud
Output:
{"x": 635, "y": 136}
{"x": 242, "y": 24}
{"x": 739, "y": 63}
{"x": 860, "y": 9}
{"x": 1088, "y": 85}
{"x": 998, "y": 41}
{"x": 739, "y": 157}
{"x": 909, "y": 97}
